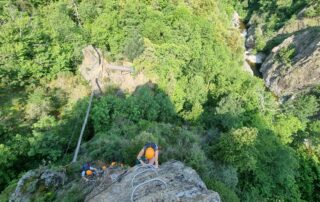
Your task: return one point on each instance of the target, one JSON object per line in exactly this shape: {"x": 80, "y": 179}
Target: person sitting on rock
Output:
{"x": 87, "y": 171}
{"x": 149, "y": 155}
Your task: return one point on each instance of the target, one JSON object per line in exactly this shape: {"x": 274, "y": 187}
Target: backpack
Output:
{"x": 152, "y": 145}
{"x": 86, "y": 167}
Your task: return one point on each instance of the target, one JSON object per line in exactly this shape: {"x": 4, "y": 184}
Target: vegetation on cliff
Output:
{"x": 202, "y": 108}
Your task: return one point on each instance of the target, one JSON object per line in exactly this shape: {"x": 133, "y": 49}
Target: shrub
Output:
{"x": 286, "y": 54}
{"x": 226, "y": 194}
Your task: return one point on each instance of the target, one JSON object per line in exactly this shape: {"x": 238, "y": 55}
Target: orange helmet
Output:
{"x": 89, "y": 172}
{"x": 149, "y": 154}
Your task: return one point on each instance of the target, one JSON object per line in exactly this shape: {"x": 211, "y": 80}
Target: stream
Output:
{"x": 252, "y": 62}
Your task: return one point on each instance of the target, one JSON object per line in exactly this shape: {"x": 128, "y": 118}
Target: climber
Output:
{"x": 87, "y": 171}
{"x": 149, "y": 155}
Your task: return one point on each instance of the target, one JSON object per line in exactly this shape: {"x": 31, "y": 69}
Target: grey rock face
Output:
{"x": 32, "y": 180}
{"x": 250, "y": 40}
{"x": 256, "y": 59}
{"x": 247, "y": 68}
{"x": 19, "y": 195}
{"x": 236, "y": 21}
{"x": 173, "y": 181}
{"x": 53, "y": 179}
{"x": 286, "y": 73}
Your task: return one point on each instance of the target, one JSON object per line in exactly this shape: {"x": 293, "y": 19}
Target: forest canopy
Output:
{"x": 203, "y": 109}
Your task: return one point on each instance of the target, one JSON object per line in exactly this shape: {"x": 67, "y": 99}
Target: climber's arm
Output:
{"x": 156, "y": 158}
{"x": 140, "y": 155}
{"x": 83, "y": 176}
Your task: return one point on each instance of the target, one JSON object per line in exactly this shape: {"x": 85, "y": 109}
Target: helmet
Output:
{"x": 89, "y": 172}
{"x": 104, "y": 167}
{"x": 149, "y": 154}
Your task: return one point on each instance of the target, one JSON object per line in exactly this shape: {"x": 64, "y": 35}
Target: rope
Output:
{"x": 145, "y": 166}
{"x": 120, "y": 68}
{"x": 148, "y": 168}
{"x": 82, "y": 129}
{"x": 146, "y": 182}
{"x": 144, "y": 171}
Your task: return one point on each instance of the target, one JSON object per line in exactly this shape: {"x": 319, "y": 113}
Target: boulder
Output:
{"x": 294, "y": 65}
{"x": 236, "y": 21}
{"x": 34, "y": 180}
{"x": 52, "y": 178}
{"x": 173, "y": 181}
{"x": 254, "y": 25}
{"x": 250, "y": 40}
{"x": 256, "y": 59}
{"x": 23, "y": 192}
{"x": 247, "y": 68}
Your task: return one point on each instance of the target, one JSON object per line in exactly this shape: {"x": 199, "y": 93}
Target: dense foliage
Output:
{"x": 276, "y": 20}
{"x": 202, "y": 108}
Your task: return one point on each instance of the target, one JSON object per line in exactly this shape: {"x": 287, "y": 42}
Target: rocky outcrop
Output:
{"x": 248, "y": 68}
{"x": 253, "y": 28}
{"x": 236, "y": 20}
{"x": 35, "y": 180}
{"x": 255, "y": 59}
{"x": 173, "y": 181}
{"x": 251, "y": 60}
{"x": 100, "y": 73}
{"x": 250, "y": 38}
{"x": 294, "y": 65}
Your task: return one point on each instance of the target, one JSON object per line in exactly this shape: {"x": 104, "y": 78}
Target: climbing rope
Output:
{"x": 148, "y": 168}
{"x": 82, "y": 129}
{"x": 146, "y": 182}
{"x": 113, "y": 67}
{"x": 144, "y": 171}
{"x": 144, "y": 166}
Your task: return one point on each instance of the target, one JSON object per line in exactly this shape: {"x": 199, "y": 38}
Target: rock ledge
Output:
{"x": 176, "y": 182}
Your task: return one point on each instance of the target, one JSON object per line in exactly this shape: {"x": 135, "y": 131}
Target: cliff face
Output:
{"x": 172, "y": 182}
{"x": 37, "y": 181}
{"x": 294, "y": 65}
{"x": 101, "y": 73}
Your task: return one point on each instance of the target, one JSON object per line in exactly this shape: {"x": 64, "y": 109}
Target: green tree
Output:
{"x": 303, "y": 107}
{"x": 286, "y": 127}
{"x": 238, "y": 148}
